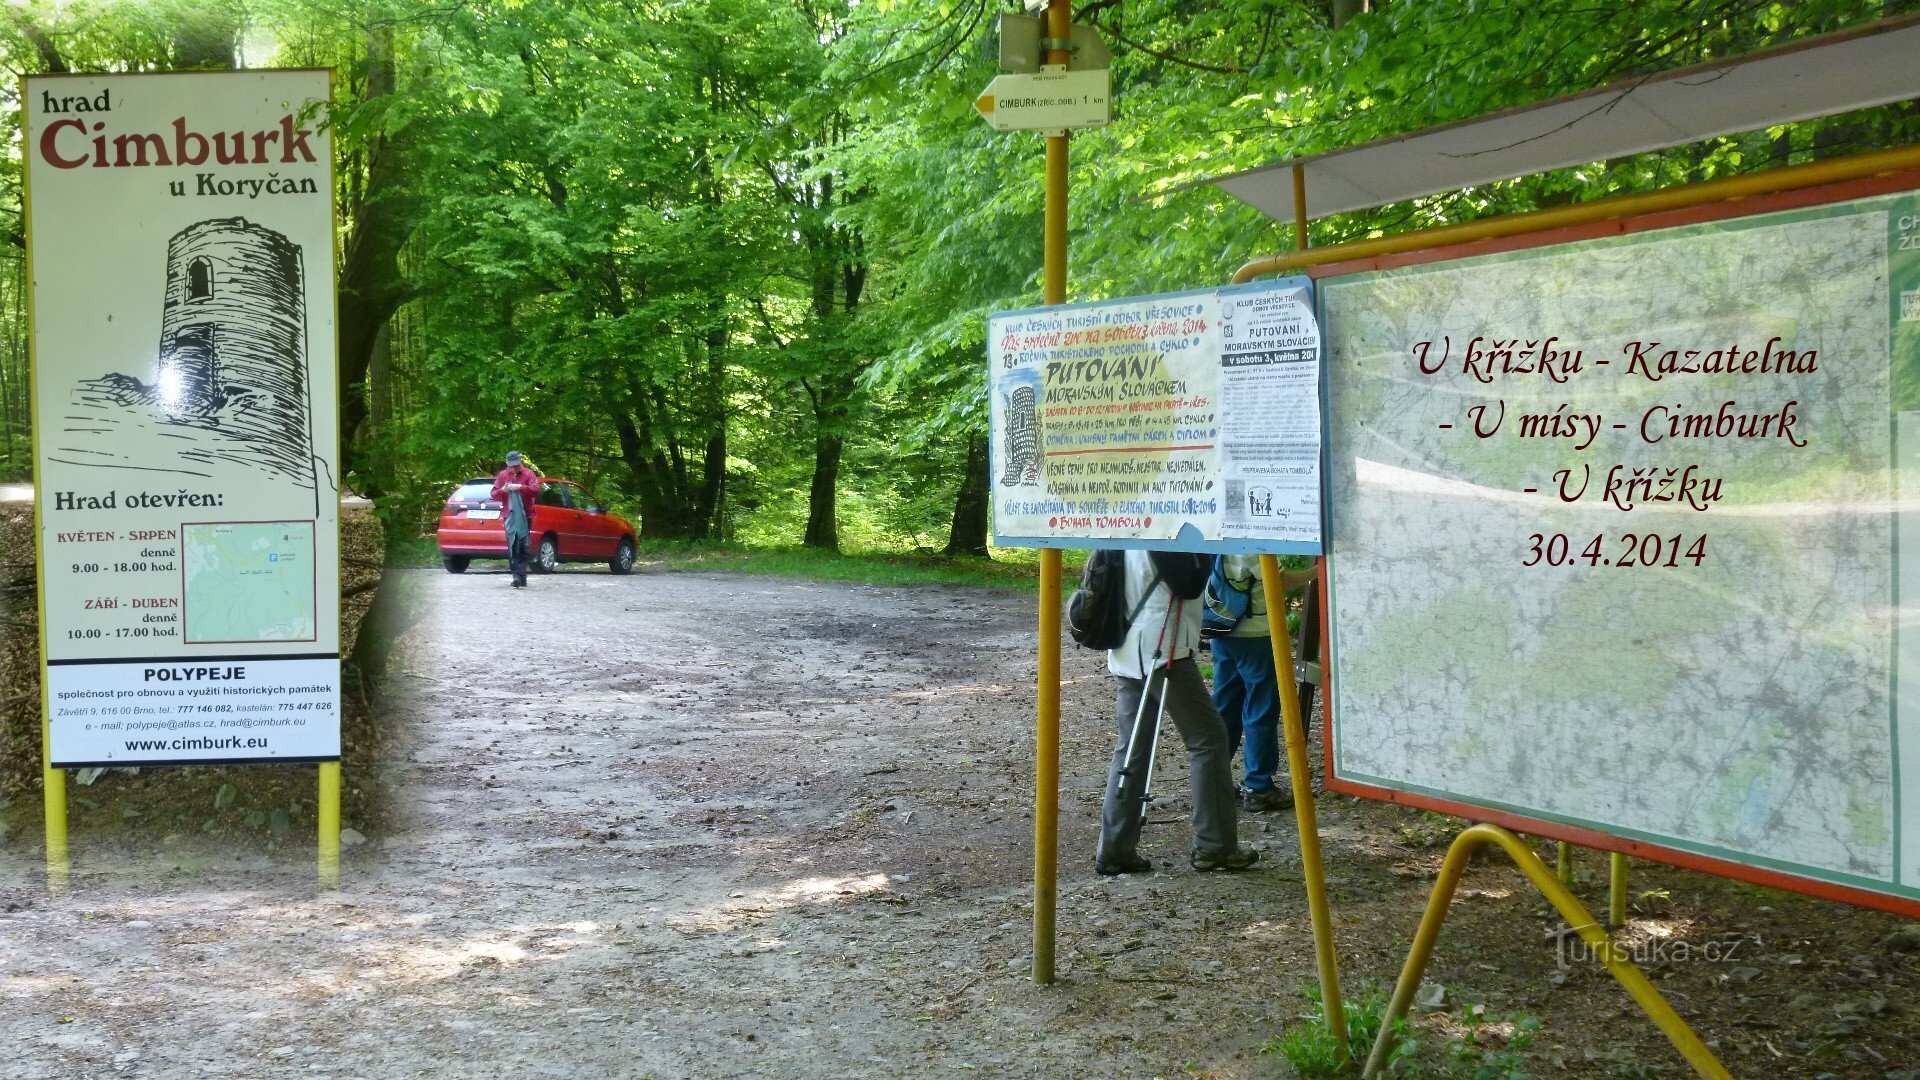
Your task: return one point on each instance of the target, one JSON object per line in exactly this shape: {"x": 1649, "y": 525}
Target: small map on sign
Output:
{"x": 249, "y": 581}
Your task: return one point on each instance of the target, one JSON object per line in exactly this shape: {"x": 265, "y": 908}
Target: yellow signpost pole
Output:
{"x": 1319, "y": 910}
{"x": 1046, "y": 803}
{"x": 329, "y": 814}
{"x": 53, "y": 783}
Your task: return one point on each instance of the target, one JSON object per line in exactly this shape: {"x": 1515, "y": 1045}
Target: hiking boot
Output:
{"x": 1204, "y": 861}
{"x": 1129, "y": 864}
{"x": 1261, "y": 802}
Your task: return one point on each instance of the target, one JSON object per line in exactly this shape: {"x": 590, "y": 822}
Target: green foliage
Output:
{"x": 1309, "y": 1045}
{"x": 864, "y": 568}
{"x": 1428, "y": 829}
{"x": 1493, "y": 1048}
{"x": 1489, "y": 1047}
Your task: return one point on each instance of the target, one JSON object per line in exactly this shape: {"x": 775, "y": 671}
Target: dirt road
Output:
{"x": 709, "y": 825}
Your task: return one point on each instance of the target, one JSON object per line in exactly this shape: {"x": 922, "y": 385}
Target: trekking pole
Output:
{"x": 1153, "y": 743}
{"x": 1133, "y": 739}
{"x": 1139, "y": 715}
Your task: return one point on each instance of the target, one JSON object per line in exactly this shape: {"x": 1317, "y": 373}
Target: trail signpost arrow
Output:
{"x": 1047, "y": 100}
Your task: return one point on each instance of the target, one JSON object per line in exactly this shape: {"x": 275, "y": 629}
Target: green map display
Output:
{"x": 249, "y": 582}
{"x": 1620, "y": 536}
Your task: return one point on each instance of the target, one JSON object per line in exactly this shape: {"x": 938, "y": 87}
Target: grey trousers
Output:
{"x": 1215, "y": 822}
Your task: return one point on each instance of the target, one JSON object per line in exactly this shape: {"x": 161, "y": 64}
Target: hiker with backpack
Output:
{"x": 1144, "y": 609}
{"x": 1245, "y": 689}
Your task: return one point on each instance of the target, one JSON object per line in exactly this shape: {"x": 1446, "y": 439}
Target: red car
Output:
{"x": 568, "y": 526}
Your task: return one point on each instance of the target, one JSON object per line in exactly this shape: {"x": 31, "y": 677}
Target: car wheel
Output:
{"x": 455, "y": 564}
{"x": 622, "y": 562}
{"x": 547, "y": 559}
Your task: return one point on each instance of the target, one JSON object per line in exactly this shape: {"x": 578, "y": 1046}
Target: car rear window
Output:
{"x": 472, "y": 491}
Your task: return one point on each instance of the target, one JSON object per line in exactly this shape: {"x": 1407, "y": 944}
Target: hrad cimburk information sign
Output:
{"x": 180, "y": 232}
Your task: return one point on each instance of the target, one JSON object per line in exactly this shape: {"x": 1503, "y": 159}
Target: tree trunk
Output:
{"x": 823, "y": 531}
{"x": 970, "y": 507}
{"x": 713, "y": 490}
{"x": 206, "y": 40}
{"x": 666, "y": 510}
{"x": 664, "y": 514}
{"x": 1834, "y": 139}
{"x": 713, "y": 469}
{"x": 371, "y": 285}
{"x": 383, "y": 439}
{"x": 51, "y": 60}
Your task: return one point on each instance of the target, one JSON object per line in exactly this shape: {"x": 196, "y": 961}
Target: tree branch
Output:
{"x": 1168, "y": 57}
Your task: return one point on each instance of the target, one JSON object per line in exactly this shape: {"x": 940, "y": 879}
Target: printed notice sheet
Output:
{"x": 1184, "y": 421}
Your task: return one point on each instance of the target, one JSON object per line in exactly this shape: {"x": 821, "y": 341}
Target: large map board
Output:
{"x": 1625, "y": 539}
{"x": 1183, "y": 421}
{"x": 186, "y": 413}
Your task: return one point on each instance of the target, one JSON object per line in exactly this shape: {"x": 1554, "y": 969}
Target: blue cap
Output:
{"x": 513, "y": 457}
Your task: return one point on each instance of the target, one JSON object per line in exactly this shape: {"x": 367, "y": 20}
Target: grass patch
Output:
{"x": 404, "y": 553}
{"x": 1487, "y": 1048}
{"x": 861, "y": 567}
{"x": 1309, "y": 1046}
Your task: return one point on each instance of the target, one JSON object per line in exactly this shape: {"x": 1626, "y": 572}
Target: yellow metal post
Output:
{"x": 1300, "y": 222}
{"x": 1565, "y": 870}
{"x": 53, "y": 783}
{"x": 1059, "y": 28}
{"x": 1617, "y": 892}
{"x": 1046, "y": 796}
{"x": 1318, "y": 909}
{"x": 1046, "y": 801}
{"x": 1578, "y": 918}
{"x": 329, "y": 814}
{"x": 1293, "y": 726}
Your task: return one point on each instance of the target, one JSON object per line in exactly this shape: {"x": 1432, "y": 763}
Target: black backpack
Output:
{"x": 1096, "y": 612}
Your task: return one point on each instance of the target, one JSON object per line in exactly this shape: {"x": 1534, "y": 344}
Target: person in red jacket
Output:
{"x": 515, "y": 488}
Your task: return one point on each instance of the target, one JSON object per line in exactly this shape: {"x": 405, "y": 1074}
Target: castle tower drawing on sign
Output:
{"x": 229, "y": 387}
{"x": 234, "y": 334}
{"x": 1022, "y": 431}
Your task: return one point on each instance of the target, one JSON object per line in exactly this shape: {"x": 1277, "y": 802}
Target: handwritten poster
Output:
{"x": 1185, "y": 421}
